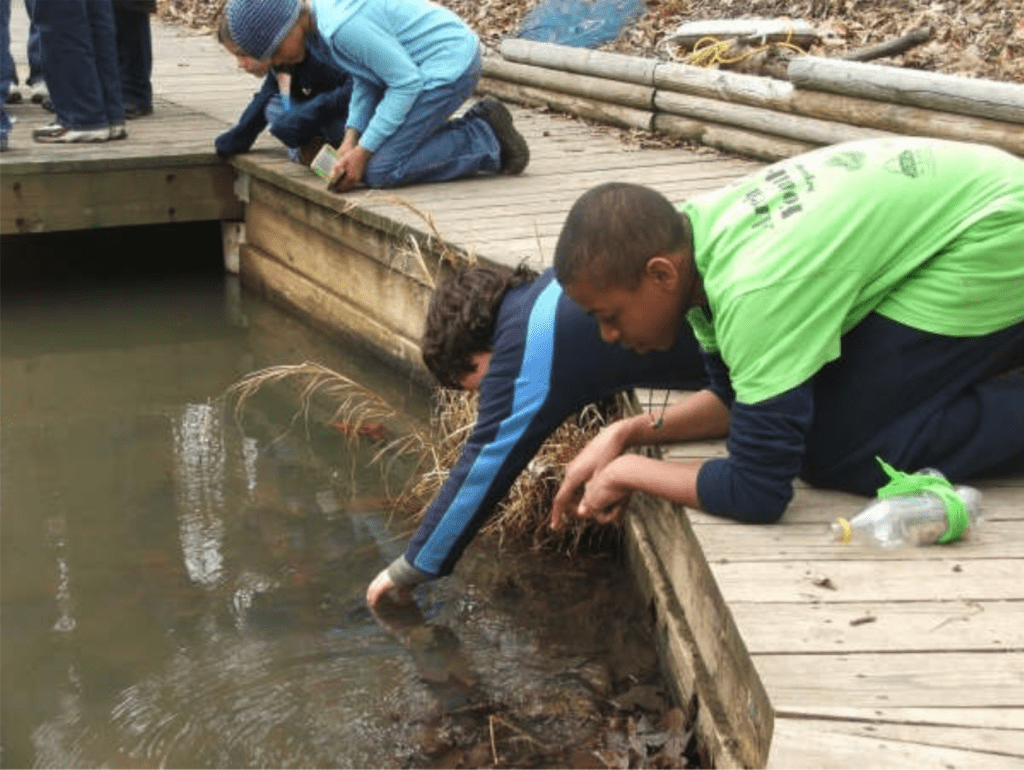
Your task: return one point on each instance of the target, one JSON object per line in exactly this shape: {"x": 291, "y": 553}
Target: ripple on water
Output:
{"x": 282, "y": 703}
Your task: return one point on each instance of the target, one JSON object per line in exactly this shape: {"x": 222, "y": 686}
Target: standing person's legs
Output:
{"x": 8, "y": 70}
{"x": 135, "y": 60}
{"x": 431, "y": 148}
{"x": 69, "y": 62}
{"x": 104, "y": 41}
{"x": 917, "y": 400}
{"x": 6, "y": 73}
{"x": 36, "y": 76}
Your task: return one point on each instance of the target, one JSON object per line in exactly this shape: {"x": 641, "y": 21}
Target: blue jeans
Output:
{"x": 431, "y": 148}
{"x": 135, "y": 57}
{"x": 79, "y": 45}
{"x": 322, "y": 115}
{"x": 7, "y": 72}
{"x": 35, "y": 50}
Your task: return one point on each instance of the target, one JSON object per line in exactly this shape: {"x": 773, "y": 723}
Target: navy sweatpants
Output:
{"x": 917, "y": 400}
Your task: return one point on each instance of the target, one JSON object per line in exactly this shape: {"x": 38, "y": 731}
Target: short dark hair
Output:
{"x": 461, "y": 317}
{"x": 612, "y": 231}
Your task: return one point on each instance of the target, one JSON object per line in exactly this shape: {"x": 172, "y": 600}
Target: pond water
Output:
{"x": 183, "y": 588}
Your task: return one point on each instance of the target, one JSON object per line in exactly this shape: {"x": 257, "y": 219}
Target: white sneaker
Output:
{"x": 36, "y": 92}
{"x": 55, "y": 133}
{"x": 118, "y": 131}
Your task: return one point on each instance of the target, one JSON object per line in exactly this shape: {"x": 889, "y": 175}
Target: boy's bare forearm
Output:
{"x": 675, "y": 481}
{"x": 699, "y": 416}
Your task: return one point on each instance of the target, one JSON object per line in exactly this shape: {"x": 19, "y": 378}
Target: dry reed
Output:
{"x": 522, "y": 515}
{"x": 350, "y": 404}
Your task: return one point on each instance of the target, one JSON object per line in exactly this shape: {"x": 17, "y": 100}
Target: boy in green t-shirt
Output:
{"x": 863, "y": 299}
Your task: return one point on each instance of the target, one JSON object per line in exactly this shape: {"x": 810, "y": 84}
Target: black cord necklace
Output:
{"x": 656, "y": 423}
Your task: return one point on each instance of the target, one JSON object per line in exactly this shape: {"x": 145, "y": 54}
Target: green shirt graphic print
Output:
{"x": 926, "y": 232}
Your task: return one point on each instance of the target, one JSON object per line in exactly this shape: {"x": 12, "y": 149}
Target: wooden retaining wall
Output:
{"x": 824, "y": 101}
{"x": 344, "y": 271}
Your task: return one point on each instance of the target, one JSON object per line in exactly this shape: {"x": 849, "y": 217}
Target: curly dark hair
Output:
{"x": 461, "y": 317}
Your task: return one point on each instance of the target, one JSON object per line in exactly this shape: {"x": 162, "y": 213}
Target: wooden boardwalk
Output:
{"x": 908, "y": 659}
{"x": 871, "y": 659}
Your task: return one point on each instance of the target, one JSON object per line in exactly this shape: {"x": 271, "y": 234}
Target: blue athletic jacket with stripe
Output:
{"x": 547, "y": 362}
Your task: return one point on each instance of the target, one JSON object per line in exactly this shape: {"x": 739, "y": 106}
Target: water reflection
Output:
{"x": 200, "y": 457}
{"x": 182, "y": 588}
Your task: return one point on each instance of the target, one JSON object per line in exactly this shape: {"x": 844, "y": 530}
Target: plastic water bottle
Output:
{"x": 913, "y": 509}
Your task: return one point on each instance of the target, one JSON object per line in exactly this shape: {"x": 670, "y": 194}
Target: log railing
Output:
{"x": 825, "y": 101}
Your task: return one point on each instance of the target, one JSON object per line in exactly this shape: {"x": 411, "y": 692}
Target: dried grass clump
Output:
{"x": 523, "y": 514}
{"x": 521, "y": 517}
{"x": 349, "y": 404}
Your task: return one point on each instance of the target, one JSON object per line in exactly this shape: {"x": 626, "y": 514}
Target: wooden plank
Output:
{"x": 325, "y": 310}
{"x": 348, "y": 232}
{"x": 810, "y": 581}
{"x": 586, "y": 107}
{"x": 808, "y": 744}
{"x": 878, "y": 626}
{"x": 911, "y": 679}
{"x": 294, "y": 179}
{"x": 363, "y": 284}
{"x": 532, "y": 201}
{"x": 810, "y": 505}
{"x": 783, "y": 96}
{"x": 786, "y": 541}
{"x": 73, "y": 201}
{"x": 752, "y": 144}
{"x": 639, "y": 97}
{"x": 532, "y": 191}
{"x": 539, "y": 199}
{"x": 1005, "y": 744}
{"x": 755, "y": 31}
{"x": 602, "y": 64}
{"x": 1006, "y": 719}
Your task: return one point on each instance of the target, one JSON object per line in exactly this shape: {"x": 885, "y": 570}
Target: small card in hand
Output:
{"x": 324, "y": 161}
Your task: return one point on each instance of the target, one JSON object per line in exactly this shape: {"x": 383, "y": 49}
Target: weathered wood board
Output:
{"x": 879, "y": 658}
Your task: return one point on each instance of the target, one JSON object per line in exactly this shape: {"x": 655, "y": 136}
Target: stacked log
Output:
{"x": 824, "y": 101}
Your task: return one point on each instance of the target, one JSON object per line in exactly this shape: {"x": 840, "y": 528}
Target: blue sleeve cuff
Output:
{"x": 250, "y": 125}
{"x": 725, "y": 491}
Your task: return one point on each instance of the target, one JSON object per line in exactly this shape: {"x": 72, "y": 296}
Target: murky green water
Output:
{"x": 180, "y": 589}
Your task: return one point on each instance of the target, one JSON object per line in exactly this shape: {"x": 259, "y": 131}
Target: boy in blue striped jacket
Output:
{"x": 535, "y": 358}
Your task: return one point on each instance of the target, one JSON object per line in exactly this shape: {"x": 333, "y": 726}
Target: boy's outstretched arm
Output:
{"x": 701, "y": 415}
{"x": 610, "y": 487}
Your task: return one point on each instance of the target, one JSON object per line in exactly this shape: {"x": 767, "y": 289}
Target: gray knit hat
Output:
{"x": 258, "y": 27}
